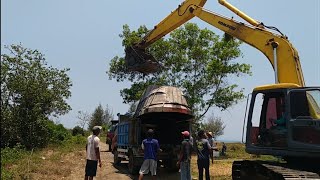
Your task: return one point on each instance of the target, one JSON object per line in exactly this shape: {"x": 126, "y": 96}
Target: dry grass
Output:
{"x": 220, "y": 169}
{"x": 54, "y": 162}
{"x": 60, "y": 162}
{"x": 47, "y": 164}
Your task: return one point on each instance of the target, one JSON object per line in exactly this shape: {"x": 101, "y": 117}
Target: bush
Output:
{"x": 57, "y": 133}
{"x": 77, "y": 130}
{"x": 78, "y": 139}
{"x": 73, "y": 143}
{"x": 10, "y": 156}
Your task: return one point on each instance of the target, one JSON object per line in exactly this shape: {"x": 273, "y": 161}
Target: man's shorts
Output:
{"x": 91, "y": 168}
{"x": 149, "y": 165}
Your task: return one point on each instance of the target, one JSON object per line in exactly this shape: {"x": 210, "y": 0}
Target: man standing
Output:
{"x": 224, "y": 149}
{"x": 203, "y": 149}
{"x": 212, "y": 144}
{"x": 151, "y": 148}
{"x": 185, "y": 156}
{"x": 93, "y": 153}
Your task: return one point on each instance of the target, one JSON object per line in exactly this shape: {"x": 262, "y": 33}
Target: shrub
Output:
{"x": 77, "y": 130}
{"x": 10, "y": 156}
{"x": 57, "y": 133}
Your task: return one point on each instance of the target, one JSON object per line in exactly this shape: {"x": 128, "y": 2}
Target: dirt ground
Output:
{"x": 109, "y": 171}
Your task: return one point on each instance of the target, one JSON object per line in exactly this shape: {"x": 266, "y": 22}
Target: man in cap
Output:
{"x": 185, "y": 156}
{"x": 212, "y": 144}
{"x": 151, "y": 148}
{"x": 93, "y": 153}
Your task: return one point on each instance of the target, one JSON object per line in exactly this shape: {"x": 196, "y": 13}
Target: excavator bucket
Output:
{"x": 138, "y": 60}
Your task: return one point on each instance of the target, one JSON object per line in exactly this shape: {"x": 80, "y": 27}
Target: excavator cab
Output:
{"x": 283, "y": 120}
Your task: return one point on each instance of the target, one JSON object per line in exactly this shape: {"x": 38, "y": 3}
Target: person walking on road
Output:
{"x": 151, "y": 148}
{"x": 185, "y": 156}
{"x": 93, "y": 153}
{"x": 203, "y": 150}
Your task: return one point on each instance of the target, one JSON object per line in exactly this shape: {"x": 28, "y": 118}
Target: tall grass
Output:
{"x": 9, "y": 157}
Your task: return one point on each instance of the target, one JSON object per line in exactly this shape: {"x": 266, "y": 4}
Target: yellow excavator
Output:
{"x": 283, "y": 119}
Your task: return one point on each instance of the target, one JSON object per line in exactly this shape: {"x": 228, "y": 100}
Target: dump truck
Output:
{"x": 163, "y": 109}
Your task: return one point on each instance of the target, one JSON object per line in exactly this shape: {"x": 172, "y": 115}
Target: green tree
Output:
{"x": 77, "y": 130}
{"x": 108, "y": 116}
{"x": 101, "y": 117}
{"x": 215, "y": 125}
{"x": 97, "y": 117}
{"x": 196, "y": 60}
{"x": 31, "y": 92}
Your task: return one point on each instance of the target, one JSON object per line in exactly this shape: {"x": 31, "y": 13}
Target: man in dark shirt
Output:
{"x": 185, "y": 156}
{"x": 151, "y": 148}
{"x": 224, "y": 149}
{"x": 203, "y": 150}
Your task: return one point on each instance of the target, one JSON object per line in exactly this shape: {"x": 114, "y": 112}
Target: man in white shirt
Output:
{"x": 93, "y": 153}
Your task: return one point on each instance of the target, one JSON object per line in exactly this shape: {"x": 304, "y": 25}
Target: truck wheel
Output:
{"x": 133, "y": 169}
{"x": 116, "y": 159}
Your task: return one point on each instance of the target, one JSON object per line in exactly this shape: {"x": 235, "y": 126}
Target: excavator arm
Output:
{"x": 276, "y": 47}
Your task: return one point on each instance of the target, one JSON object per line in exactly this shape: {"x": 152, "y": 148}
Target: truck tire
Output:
{"x": 133, "y": 169}
{"x": 116, "y": 159}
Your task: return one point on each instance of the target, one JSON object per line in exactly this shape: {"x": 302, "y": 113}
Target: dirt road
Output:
{"x": 109, "y": 171}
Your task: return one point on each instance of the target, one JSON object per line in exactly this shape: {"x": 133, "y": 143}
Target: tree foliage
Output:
{"x": 31, "y": 92}
{"x": 107, "y": 116}
{"x": 101, "y": 117}
{"x": 214, "y": 125}
{"x": 196, "y": 60}
{"x": 77, "y": 130}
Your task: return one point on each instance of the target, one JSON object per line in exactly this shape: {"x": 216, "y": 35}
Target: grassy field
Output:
{"x": 57, "y": 161}
{"x": 20, "y": 164}
{"x": 222, "y": 166}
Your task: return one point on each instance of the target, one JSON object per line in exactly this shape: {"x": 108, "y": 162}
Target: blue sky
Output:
{"x": 83, "y": 35}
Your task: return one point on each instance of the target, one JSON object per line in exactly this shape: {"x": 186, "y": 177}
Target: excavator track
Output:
{"x": 265, "y": 170}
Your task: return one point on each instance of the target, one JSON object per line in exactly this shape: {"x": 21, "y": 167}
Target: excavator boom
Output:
{"x": 278, "y": 50}
{"x": 171, "y": 22}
